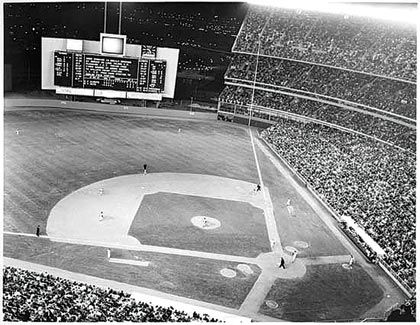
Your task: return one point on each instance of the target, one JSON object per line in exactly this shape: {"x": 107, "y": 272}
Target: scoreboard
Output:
{"x": 94, "y": 71}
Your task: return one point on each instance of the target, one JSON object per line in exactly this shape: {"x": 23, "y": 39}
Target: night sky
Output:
{"x": 201, "y": 30}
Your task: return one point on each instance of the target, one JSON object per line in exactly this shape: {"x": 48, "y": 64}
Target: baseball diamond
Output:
{"x": 161, "y": 217}
{"x": 229, "y": 162}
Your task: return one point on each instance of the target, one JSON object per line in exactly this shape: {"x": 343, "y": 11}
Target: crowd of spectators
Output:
{"x": 372, "y": 182}
{"x": 373, "y": 125}
{"x": 404, "y": 313}
{"x": 358, "y": 43}
{"x": 39, "y": 297}
{"x": 382, "y": 93}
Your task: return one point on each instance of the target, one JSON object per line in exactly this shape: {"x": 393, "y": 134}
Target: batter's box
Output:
{"x": 201, "y": 224}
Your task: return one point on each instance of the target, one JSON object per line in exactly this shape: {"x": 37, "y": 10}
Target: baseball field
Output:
{"x": 194, "y": 226}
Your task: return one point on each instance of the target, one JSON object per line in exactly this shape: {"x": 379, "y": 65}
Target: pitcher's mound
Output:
{"x": 204, "y": 222}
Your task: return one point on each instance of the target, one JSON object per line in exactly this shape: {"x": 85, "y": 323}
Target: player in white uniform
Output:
{"x": 294, "y": 256}
{"x": 351, "y": 260}
{"x": 290, "y": 208}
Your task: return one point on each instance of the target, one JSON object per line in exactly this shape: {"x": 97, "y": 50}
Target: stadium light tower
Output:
{"x": 105, "y": 17}
{"x": 119, "y": 23}
{"x": 256, "y": 70}
{"x": 119, "y": 20}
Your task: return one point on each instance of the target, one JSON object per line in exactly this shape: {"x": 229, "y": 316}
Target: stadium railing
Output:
{"x": 386, "y": 115}
{"x": 396, "y": 278}
{"x": 274, "y": 114}
{"x": 323, "y": 65}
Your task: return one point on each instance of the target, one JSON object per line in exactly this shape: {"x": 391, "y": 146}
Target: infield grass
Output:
{"x": 164, "y": 219}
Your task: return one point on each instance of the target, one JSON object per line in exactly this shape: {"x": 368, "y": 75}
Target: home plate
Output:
{"x": 131, "y": 262}
{"x": 228, "y": 273}
{"x": 245, "y": 269}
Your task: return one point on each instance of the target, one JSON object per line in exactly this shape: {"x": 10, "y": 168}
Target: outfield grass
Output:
{"x": 164, "y": 219}
{"x": 58, "y": 152}
{"x": 326, "y": 292}
{"x": 190, "y": 277}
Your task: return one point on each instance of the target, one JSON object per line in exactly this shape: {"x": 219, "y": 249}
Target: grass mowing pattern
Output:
{"x": 326, "y": 292}
{"x": 164, "y": 219}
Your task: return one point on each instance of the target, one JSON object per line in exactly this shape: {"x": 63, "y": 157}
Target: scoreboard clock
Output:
{"x": 148, "y": 51}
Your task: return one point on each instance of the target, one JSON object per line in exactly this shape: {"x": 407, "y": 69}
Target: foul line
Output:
{"x": 334, "y": 259}
{"x": 270, "y": 221}
{"x": 256, "y": 162}
{"x": 144, "y": 248}
{"x": 176, "y": 251}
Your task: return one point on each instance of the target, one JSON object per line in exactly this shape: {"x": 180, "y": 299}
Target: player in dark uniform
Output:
{"x": 144, "y": 169}
{"x": 37, "y": 231}
{"x": 282, "y": 263}
{"x": 205, "y": 222}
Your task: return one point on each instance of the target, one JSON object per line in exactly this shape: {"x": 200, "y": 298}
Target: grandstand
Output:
{"x": 312, "y": 70}
{"x": 341, "y": 91}
{"x": 76, "y": 300}
{"x": 304, "y": 210}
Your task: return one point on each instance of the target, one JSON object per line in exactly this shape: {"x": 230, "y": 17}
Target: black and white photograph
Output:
{"x": 225, "y": 162}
